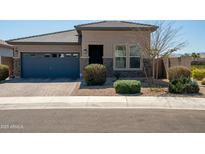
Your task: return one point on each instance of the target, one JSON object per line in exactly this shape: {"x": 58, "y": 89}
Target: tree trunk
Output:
{"x": 157, "y": 69}
{"x": 153, "y": 68}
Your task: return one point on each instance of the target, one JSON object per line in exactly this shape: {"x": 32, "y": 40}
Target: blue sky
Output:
{"x": 193, "y": 31}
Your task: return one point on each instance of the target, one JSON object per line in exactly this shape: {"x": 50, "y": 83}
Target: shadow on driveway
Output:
{"x": 21, "y": 80}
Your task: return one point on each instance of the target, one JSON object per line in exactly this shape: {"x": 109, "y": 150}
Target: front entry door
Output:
{"x": 95, "y": 54}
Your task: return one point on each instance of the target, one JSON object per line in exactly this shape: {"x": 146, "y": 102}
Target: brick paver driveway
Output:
{"x": 37, "y": 87}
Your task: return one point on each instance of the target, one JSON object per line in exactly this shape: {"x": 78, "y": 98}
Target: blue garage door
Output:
{"x": 50, "y": 65}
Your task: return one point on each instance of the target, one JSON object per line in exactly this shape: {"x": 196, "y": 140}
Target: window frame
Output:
{"x": 140, "y": 56}
{"x": 120, "y": 56}
{"x": 127, "y": 47}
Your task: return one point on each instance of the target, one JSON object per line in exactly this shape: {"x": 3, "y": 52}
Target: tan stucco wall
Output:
{"x": 111, "y": 38}
{"x": 106, "y": 38}
{"x": 48, "y": 48}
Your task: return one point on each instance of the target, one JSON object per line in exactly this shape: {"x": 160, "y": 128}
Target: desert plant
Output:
{"x": 198, "y": 74}
{"x": 95, "y": 74}
{"x": 177, "y": 72}
{"x": 183, "y": 85}
{"x": 127, "y": 86}
{"x": 4, "y": 72}
{"x": 203, "y": 81}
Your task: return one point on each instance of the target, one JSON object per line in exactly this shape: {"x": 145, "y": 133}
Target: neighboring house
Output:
{"x": 6, "y": 54}
{"x": 119, "y": 45}
{"x": 202, "y": 55}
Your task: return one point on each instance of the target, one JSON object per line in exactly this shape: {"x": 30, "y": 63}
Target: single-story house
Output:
{"x": 119, "y": 45}
{"x": 6, "y": 54}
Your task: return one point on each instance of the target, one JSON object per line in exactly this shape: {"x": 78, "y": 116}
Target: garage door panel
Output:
{"x": 50, "y": 67}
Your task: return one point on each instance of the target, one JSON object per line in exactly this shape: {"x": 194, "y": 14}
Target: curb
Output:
{"x": 117, "y": 102}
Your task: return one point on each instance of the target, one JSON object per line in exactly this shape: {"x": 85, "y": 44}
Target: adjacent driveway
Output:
{"x": 36, "y": 87}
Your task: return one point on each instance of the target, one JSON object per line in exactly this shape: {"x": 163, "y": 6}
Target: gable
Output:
{"x": 115, "y": 25}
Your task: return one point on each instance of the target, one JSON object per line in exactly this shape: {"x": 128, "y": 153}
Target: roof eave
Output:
{"x": 45, "y": 43}
{"x": 7, "y": 46}
{"x": 79, "y": 29}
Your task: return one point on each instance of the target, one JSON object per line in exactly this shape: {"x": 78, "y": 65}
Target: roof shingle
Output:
{"x": 72, "y": 36}
{"x": 69, "y": 36}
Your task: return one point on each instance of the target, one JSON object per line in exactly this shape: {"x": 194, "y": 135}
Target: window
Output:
{"x": 120, "y": 56}
{"x": 61, "y": 55}
{"x": 134, "y": 56}
{"x": 127, "y": 57}
{"x": 75, "y": 55}
{"x": 47, "y": 55}
{"x": 54, "y": 55}
{"x": 68, "y": 55}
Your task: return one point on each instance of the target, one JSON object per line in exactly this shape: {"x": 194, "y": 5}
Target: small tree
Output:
{"x": 195, "y": 55}
{"x": 164, "y": 41}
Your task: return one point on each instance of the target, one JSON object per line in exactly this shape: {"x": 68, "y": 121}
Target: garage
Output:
{"x": 50, "y": 65}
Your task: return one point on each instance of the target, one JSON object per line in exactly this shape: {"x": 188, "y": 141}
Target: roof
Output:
{"x": 72, "y": 36}
{"x": 116, "y": 25}
{"x": 68, "y": 36}
{"x": 4, "y": 44}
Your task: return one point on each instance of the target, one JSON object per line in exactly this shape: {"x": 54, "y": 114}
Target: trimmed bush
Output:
{"x": 203, "y": 81}
{"x": 95, "y": 74}
{"x": 4, "y": 72}
{"x": 177, "y": 72}
{"x": 198, "y": 74}
{"x": 127, "y": 86}
{"x": 183, "y": 85}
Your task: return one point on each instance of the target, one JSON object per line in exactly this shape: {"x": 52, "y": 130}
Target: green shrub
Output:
{"x": 95, "y": 74}
{"x": 198, "y": 74}
{"x": 4, "y": 72}
{"x": 198, "y": 66}
{"x": 198, "y": 63}
{"x": 178, "y": 72}
{"x": 183, "y": 85}
{"x": 127, "y": 86}
{"x": 203, "y": 81}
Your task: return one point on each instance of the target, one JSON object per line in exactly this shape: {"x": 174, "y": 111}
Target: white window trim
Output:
{"x": 114, "y": 58}
{"x": 127, "y": 46}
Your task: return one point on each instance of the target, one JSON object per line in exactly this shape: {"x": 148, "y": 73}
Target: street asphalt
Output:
{"x": 101, "y": 120}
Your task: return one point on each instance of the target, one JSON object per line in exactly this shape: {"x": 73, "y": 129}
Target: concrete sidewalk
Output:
{"x": 7, "y": 103}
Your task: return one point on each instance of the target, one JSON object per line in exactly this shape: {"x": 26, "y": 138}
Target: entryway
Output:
{"x": 95, "y": 54}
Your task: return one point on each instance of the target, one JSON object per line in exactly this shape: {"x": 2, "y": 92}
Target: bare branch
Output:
{"x": 166, "y": 40}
